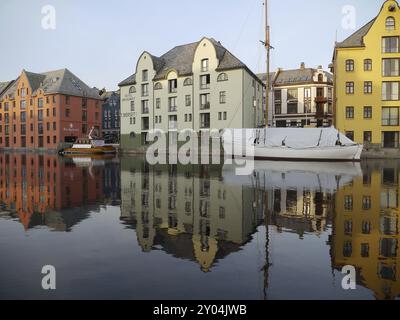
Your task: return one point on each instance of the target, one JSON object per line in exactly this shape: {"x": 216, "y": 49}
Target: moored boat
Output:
{"x": 89, "y": 146}
{"x": 301, "y": 144}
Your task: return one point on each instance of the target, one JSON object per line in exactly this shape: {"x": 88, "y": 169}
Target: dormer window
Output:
{"x": 204, "y": 65}
{"x": 320, "y": 77}
{"x": 390, "y": 24}
{"x": 145, "y": 75}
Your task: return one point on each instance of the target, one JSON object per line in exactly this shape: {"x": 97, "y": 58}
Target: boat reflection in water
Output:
{"x": 205, "y": 222}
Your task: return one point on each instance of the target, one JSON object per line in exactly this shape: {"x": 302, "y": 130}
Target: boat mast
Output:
{"x": 267, "y": 45}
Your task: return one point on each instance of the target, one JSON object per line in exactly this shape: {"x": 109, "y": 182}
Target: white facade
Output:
{"x": 230, "y": 98}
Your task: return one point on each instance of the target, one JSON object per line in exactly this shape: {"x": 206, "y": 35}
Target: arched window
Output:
{"x": 320, "y": 77}
{"x": 390, "y": 23}
{"x": 349, "y": 65}
{"x": 158, "y": 86}
{"x": 222, "y": 77}
{"x": 132, "y": 89}
{"x": 188, "y": 82}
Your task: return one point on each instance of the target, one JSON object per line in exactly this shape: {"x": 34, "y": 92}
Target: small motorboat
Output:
{"x": 89, "y": 146}
{"x": 300, "y": 144}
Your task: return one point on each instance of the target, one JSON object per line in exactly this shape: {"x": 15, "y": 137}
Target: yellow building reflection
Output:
{"x": 366, "y": 228}
{"x": 187, "y": 210}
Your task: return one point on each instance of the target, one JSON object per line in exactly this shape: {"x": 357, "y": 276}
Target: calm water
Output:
{"x": 121, "y": 229}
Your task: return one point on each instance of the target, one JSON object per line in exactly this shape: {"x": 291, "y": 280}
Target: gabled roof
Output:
{"x": 5, "y": 85}
{"x": 357, "y": 38}
{"x": 180, "y": 58}
{"x": 59, "y": 81}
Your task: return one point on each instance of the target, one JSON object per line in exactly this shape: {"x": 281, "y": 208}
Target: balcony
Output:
{"x": 205, "y": 106}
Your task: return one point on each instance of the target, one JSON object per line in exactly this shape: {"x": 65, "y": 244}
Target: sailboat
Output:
{"x": 304, "y": 144}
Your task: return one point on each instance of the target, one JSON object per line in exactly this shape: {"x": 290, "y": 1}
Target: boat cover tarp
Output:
{"x": 291, "y": 137}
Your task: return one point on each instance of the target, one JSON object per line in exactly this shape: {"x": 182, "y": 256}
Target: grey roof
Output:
{"x": 295, "y": 76}
{"x": 357, "y": 38}
{"x": 181, "y": 58}
{"x": 59, "y": 81}
{"x": 4, "y": 86}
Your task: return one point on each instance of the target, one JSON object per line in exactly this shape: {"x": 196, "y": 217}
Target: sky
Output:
{"x": 101, "y": 41}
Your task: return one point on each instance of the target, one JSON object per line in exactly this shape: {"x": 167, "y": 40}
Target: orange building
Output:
{"x": 43, "y": 110}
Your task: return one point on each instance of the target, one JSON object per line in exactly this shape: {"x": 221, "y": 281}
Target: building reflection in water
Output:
{"x": 43, "y": 189}
{"x": 188, "y": 211}
{"x": 366, "y": 228}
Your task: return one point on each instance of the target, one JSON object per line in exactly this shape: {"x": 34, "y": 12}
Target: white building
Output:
{"x": 301, "y": 97}
{"x": 194, "y": 86}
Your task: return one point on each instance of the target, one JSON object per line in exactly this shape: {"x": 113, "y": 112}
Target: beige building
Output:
{"x": 197, "y": 86}
{"x": 300, "y": 97}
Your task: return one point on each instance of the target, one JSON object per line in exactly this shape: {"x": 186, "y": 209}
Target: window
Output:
{"x": 348, "y": 227}
{"x": 222, "y": 97}
{"x": 349, "y": 65}
{"x": 158, "y": 103}
{"x": 22, "y": 116}
{"x": 390, "y": 139}
{"x": 367, "y": 136}
{"x": 222, "y": 77}
{"x": 40, "y": 128}
{"x": 132, "y": 89}
{"x": 188, "y": 100}
{"x": 132, "y": 105}
{"x": 348, "y": 202}
{"x": 145, "y": 75}
{"x": 172, "y": 107}
{"x": 390, "y": 116}
{"x": 390, "y": 91}
{"x": 350, "y": 135}
{"x": 320, "y": 77}
{"x": 67, "y": 100}
{"x": 188, "y": 82}
{"x": 40, "y": 115}
{"x": 172, "y": 86}
{"x": 54, "y": 112}
{"x": 145, "y": 106}
{"x": 205, "y": 120}
{"x": 368, "y": 87}
{"x": 292, "y": 108}
{"x": 225, "y": 115}
{"x": 84, "y": 115}
{"x": 204, "y": 65}
{"x": 23, "y": 104}
{"x": 204, "y": 101}
{"x": 349, "y": 112}
{"x": 390, "y": 44}
{"x": 219, "y": 115}
{"x": 205, "y": 82}
{"x": 367, "y": 65}
{"x": 349, "y": 87}
{"x": 367, "y": 112}
{"x": 158, "y": 86}
{"x": 145, "y": 90}
{"x": 278, "y": 108}
{"x": 366, "y": 202}
{"x": 40, "y": 102}
{"x": 84, "y": 102}
{"x": 390, "y": 24}
{"x": 292, "y": 94}
{"x": 390, "y": 67}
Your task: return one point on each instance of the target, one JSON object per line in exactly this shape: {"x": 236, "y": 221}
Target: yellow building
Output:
{"x": 367, "y": 81}
{"x": 366, "y": 229}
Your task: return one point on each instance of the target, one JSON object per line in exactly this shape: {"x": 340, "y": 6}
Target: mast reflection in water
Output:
{"x": 136, "y": 231}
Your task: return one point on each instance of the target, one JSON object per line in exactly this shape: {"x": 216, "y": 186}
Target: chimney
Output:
{"x": 302, "y": 66}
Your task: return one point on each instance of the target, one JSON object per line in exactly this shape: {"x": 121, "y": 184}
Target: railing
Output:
{"x": 205, "y": 106}
{"x": 172, "y": 108}
{"x": 205, "y": 86}
{"x": 321, "y": 99}
{"x": 205, "y": 125}
{"x": 145, "y": 110}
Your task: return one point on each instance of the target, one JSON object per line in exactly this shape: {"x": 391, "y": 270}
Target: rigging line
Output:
{"x": 246, "y": 20}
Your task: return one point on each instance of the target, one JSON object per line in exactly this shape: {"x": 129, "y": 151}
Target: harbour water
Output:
{"x": 122, "y": 229}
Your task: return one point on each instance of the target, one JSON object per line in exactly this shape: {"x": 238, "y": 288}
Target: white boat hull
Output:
{"x": 261, "y": 152}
